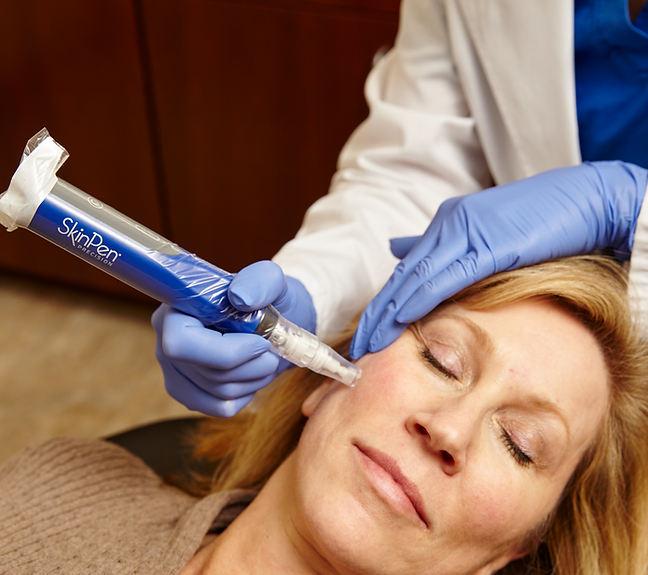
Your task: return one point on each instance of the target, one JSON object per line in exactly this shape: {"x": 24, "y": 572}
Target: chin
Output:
{"x": 354, "y": 539}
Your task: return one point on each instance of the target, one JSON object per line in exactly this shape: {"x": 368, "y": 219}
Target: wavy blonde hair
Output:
{"x": 599, "y": 525}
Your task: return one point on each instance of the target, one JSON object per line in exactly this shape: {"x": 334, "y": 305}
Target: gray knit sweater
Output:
{"x": 73, "y": 507}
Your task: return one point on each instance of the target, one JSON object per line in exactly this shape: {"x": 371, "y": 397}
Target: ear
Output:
{"x": 315, "y": 396}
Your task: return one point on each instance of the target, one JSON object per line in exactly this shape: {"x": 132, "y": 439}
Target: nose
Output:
{"x": 446, "y": 434}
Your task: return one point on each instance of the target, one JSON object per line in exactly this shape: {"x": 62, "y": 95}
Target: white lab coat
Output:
{"x": 474, "y": 93}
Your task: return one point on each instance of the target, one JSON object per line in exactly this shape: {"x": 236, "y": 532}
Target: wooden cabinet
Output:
{"x": 73, "y": 67}
{"x": 216, "y": 123}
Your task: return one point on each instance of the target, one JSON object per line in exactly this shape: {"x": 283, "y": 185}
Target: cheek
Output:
{"x": 504, "y": 506}
{"x": 373, "y": 409}
{"x": 491, "y": 505}
{"x": 386, "y": 376}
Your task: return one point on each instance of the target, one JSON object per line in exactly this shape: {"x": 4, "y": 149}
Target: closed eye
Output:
{"x": 514, "y": 449}
{"x": 436, "y": 364}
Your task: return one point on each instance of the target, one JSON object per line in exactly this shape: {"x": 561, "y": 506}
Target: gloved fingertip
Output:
{"x": 231, "y": 407}
{"x": 361, "y": 336}
{"x": 374, "y": 343}
{"x": 358, "y": 348}
{"x": 384, "y": 335}
{"x": 400, "y": 247}
{"x": 236, "y": 300}
{"x": 156, "y": 318}
{"x": 412, "y": 313}
{"x": 256, "y": 286}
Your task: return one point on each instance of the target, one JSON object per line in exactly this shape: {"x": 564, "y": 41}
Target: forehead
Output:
{"x": 537, "y": 349}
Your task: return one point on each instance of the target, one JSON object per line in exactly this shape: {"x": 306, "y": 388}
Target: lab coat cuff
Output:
{"x": 638, "y": 278}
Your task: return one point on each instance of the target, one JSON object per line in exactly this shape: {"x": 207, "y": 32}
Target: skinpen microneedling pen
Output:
{"x": 59, "y": 212}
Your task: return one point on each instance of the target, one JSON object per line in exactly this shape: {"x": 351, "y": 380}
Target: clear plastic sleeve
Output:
{"x": 109, "y": 240}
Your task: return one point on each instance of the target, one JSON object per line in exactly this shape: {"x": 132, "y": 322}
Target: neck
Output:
{"x": 264, "y": 538}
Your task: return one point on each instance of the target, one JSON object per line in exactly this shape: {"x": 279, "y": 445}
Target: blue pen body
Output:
{"x": 82, "y": 225}
{"x": 119, "y": 246}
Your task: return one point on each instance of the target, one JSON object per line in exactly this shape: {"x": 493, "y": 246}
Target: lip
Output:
{"x": 407, "y": 487}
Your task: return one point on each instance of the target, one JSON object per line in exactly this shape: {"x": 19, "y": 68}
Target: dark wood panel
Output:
{"x": 73, "y": 66}
{"x": 254, "y": 105}
{"x": 366, "y": 10}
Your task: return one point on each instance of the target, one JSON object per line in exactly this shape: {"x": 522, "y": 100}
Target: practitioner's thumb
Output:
{"x": 256, "y": 286}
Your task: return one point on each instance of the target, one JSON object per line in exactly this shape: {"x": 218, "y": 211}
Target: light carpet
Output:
{"x": 75, "y": 364}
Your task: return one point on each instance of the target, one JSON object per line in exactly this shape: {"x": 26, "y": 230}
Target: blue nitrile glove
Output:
{"x": 216, "y": 373}
{"x": 562, "y": 212}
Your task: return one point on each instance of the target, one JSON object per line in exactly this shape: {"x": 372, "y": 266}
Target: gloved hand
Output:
{"x": 562, "y": 212}
{"x": 216, "y": 373}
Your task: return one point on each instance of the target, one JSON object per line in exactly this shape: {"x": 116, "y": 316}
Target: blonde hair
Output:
{"x": 599, "y": 526}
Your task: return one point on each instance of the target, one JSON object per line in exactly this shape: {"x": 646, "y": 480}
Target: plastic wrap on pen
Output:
{"x": 82, "y": 225}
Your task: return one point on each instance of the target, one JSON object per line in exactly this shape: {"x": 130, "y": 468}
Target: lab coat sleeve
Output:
{"x": 639, "y": 266}
{"x": 417, "y": 148}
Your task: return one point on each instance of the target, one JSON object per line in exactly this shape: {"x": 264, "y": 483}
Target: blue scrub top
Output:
{"x": 611, "y": 67}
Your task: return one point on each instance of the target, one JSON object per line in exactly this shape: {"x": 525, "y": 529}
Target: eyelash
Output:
{"x": 436, "y": 364}
{"x": 514, "y": 449}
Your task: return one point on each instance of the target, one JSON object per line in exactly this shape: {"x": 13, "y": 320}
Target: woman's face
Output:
{"x": 456, "y": 443}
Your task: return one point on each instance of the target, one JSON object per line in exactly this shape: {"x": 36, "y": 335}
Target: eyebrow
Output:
{"x": 533, "y": 400}
{"x": 482, "y": 336}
